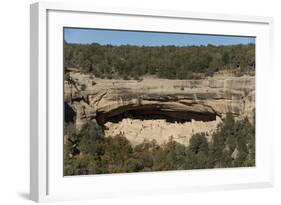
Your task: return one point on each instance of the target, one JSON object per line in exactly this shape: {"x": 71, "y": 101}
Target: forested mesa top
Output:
{"x": 172, "y": 62}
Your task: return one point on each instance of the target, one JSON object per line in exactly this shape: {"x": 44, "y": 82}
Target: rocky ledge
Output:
{"x": 180, "y": 101}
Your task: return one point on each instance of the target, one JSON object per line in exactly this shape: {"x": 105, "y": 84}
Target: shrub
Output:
{"x": 89, "y": 152}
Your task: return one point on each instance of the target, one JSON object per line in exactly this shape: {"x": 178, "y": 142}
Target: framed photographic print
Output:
{"x": 127, "y": 102}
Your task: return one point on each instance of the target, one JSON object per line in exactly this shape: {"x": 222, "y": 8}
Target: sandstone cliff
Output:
{"x": 111, "y": 101}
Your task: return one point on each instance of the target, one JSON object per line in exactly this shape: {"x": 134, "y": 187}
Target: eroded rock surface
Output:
{"x": 192, "y": 105}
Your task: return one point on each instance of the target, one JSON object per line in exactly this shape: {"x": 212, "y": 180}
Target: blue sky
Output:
{"x": 114, "y": 37}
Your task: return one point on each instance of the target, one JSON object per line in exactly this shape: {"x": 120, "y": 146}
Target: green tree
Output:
{"x": 91, "y": 139}
{"x": 185, "y": 62}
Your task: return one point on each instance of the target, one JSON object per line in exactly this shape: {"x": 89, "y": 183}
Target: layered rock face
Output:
{"x": 193, "y": 105}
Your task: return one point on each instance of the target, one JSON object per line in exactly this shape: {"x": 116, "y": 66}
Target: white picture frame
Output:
{"x": 46, "y": 73}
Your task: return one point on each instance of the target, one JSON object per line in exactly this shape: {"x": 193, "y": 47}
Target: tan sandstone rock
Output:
{"x": 196, "y": 101}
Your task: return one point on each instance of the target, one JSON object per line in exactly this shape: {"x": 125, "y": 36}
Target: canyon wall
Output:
{"x": 194, "y": 105}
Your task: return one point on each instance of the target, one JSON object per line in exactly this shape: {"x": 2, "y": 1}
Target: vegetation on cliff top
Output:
{"x": 172, "y": 62}
{"x": 88, "y": 152}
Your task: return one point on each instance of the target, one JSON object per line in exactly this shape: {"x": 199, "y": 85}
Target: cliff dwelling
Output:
{"x": 159, "y": 110}
{"x": 160, "y": 125}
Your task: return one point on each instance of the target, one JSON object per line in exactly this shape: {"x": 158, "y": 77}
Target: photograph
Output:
{"x": 149, "y": 101}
